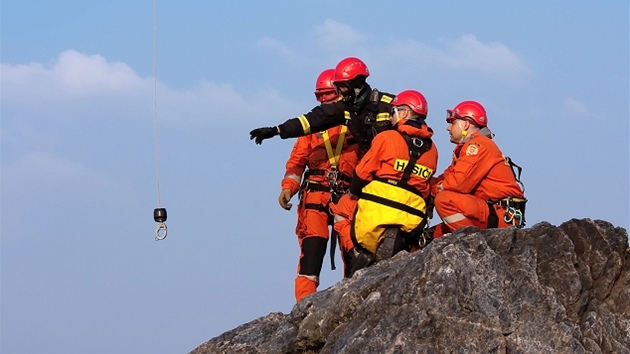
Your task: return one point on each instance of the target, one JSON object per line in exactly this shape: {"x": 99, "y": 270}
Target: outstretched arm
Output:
{"x": 318, "y": 119}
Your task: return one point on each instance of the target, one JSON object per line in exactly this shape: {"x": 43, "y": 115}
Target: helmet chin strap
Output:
{"x": 464, "y": 132}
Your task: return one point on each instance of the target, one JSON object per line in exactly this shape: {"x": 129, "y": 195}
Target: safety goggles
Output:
{"x": 452, "y": 115}
{"x": 396, "y": 109}
{"x": 326, "y": 96}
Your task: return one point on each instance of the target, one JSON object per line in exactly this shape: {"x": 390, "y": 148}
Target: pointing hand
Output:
{"x": 260, "y": 134}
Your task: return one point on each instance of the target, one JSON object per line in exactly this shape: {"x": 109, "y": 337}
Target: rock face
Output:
{"x": 544, "y": 289}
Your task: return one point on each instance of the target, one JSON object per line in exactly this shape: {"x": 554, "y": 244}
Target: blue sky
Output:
{"x": 80, "y": 269}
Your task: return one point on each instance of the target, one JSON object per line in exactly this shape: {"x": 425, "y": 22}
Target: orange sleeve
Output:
{"x": 371, "y": 161}
{"x": 296, "y": 164}
{"x": 471, "y": 167}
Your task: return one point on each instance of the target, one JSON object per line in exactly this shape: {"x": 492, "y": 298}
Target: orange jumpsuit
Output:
{"x": 385, "y": 201}
{"x": 313, "y": 156}
{"x": 478, "y": 178}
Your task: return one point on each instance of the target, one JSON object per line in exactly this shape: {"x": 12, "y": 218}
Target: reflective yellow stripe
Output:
{"x": 347, "y": 115}
{"x": 382, "y": 117}
{"x": 386, "y": 99}
{"x": 305, "y": 124}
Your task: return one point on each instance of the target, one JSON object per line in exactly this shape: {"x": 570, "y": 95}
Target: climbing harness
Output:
{"x": 514, "y": 207}
{"x": 333, "y": 157}
{"x": 336, "y": 180}
{"x": 159, "y": 213}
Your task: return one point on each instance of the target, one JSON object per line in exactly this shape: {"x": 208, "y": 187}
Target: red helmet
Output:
{"x": 349, "y": 68}
{"x": 414, "y": 99}
{"x": 325, "y": 81}
{"x": 468, "y": 110}
{"x": 325, "y": 91}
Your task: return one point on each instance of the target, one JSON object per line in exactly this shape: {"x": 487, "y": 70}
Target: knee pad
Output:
{"x": 313, "y": 252}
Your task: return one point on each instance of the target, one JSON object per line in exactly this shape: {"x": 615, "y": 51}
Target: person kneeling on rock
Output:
{"x": 390, "y": 184}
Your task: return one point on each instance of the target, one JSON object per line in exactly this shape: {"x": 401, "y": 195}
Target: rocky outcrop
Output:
{"x": 545, "y": 289}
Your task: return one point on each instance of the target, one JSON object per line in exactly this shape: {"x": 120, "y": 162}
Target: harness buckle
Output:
{"x": 332, "y": 177}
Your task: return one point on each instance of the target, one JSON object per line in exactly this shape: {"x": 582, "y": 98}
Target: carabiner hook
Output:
{"x": 159, "y": 215}
{"x": 161, "y": 226}
{"x": 509, "y": 215}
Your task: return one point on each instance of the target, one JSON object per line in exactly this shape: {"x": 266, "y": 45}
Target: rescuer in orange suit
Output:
{"x": 326, "y": 161}
{"x": 391, "y": 183}
{"x": 480, "y": 187}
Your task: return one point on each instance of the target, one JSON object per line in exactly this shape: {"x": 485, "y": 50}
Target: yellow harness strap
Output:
{"x": 333, "y": 157}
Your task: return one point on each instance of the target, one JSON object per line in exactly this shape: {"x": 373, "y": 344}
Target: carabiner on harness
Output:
{"x": 513, "y": 216}
{"x": 332, "y": 177}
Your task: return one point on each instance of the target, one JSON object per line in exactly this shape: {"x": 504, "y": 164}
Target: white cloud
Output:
{"x": 73, "y": 73}
{"x": 575, "y": 108}
{"x": 80, "y": 86}
{"x": 333, "y": 34}
{"x": 466, "y": 53}
{"x": 79, "y": 72}
{"x": 492, "y": 58}
{"x": 282, "y": 50}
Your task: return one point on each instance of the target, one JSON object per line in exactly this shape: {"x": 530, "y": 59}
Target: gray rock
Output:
{"x": 544, "y": 289}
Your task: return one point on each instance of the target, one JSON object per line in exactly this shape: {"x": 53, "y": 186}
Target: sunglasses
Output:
{"x": 326, "y": 96}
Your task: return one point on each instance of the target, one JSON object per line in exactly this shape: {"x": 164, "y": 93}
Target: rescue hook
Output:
{"x": 159, "y": 215}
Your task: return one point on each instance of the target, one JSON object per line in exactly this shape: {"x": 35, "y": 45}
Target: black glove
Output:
{"x": 261, "y": 134}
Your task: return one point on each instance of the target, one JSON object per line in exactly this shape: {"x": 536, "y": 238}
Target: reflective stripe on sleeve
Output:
{"x": 294, "y": 177}
{"x": 382, "y": 117}
{"x": 306, "y": 127}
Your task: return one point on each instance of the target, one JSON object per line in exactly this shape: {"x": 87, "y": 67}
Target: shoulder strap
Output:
{"x": 509, "y": 162}
{"x": 417, "y": 147}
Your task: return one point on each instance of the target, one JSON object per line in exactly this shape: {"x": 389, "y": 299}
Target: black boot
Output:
{"x": 426, "y": 237}
{"x": 359, "y": 258}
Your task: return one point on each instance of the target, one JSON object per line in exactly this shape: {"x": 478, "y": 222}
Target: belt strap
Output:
{"x": 393, "y": 204}
{"x": 315, "y": 187}
{"x": 493, "y": 218}
{"x": 319, "y": 207}
{"x": 321, "y": 172}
